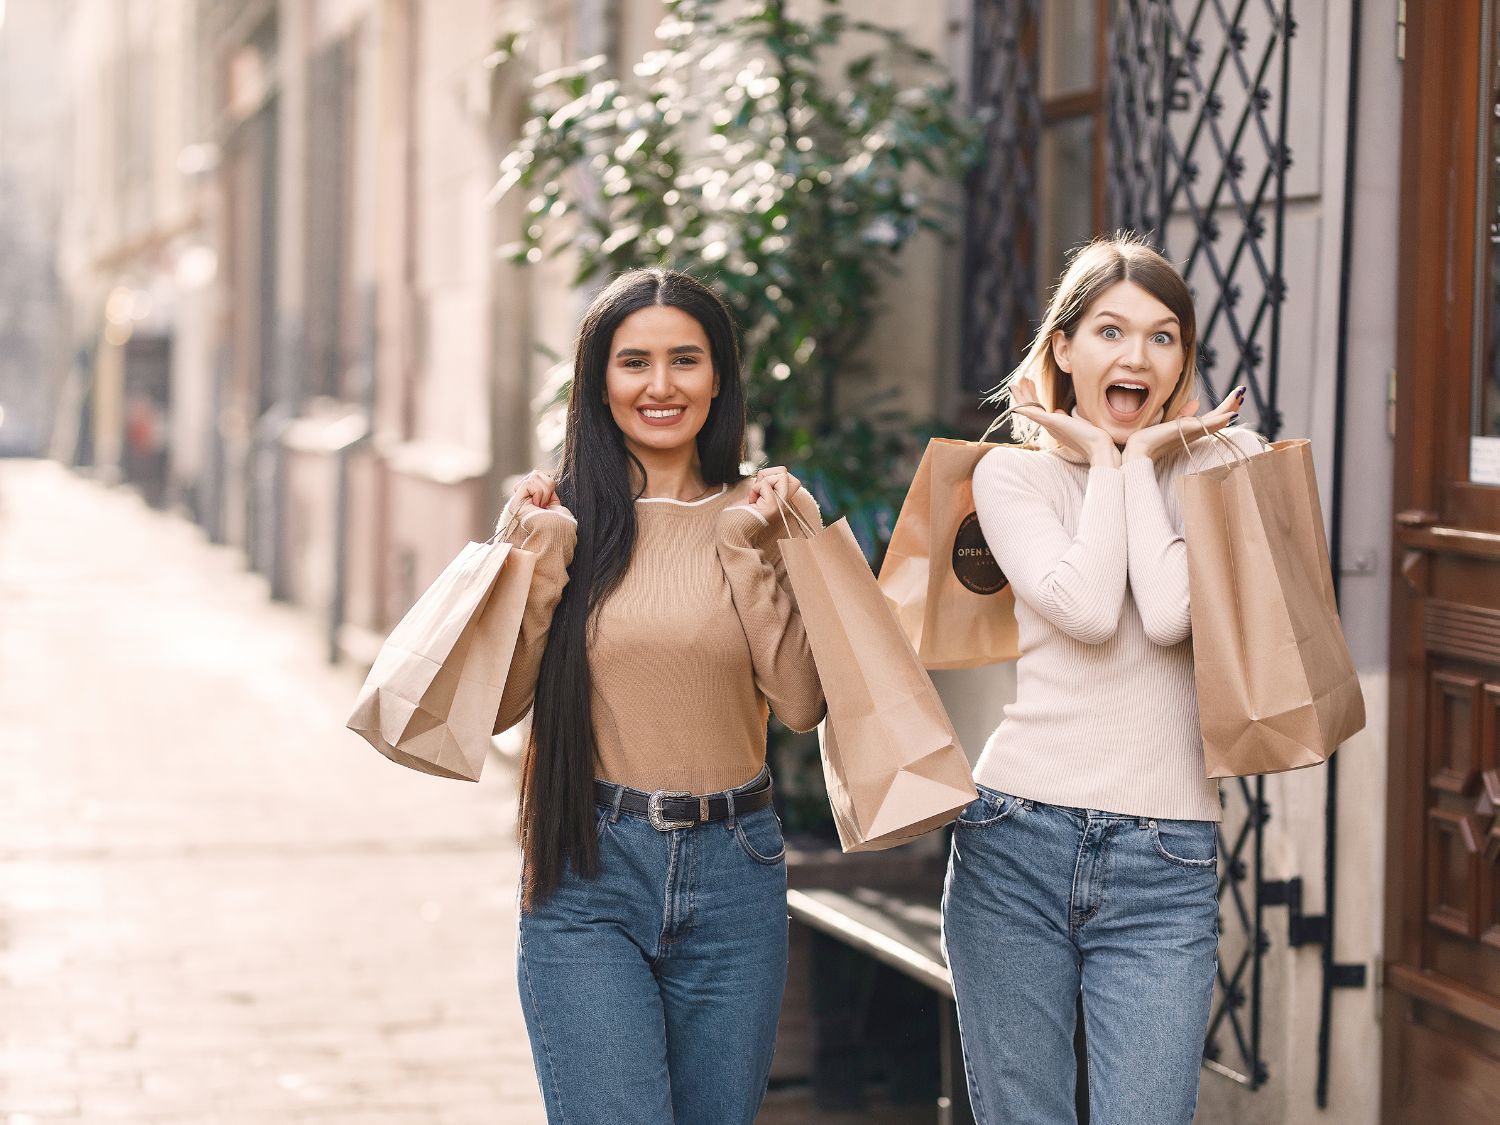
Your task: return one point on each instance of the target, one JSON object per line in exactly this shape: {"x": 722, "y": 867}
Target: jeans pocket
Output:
{"x": 1192, "y": 844}
{"x": 760, "y": 835}
{"x": 990, "y": 807}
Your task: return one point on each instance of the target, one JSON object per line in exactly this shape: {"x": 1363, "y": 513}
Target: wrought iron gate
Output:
{"x": 1195, "y": 154}
{"x": 1000, "y": 292}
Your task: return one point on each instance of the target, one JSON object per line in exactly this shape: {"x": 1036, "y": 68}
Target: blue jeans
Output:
{"x": 1042, "y": 900}
{"x": 651, "y": 993}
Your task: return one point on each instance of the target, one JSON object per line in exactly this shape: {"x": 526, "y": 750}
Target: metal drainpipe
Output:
{"x": 1335, "y": 545}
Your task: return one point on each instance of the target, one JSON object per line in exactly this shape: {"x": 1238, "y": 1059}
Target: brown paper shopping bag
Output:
{"x": 891, "y": 760}
{"x": 430, "y": 699}
{"x": 941, "y": 580}
{"x": 1277, "y": 689}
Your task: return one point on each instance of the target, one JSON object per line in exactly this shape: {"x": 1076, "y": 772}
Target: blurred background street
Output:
{"x": 216, "y": 905}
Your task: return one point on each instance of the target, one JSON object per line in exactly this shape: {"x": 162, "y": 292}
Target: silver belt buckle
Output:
{"x": 653, "y": 811}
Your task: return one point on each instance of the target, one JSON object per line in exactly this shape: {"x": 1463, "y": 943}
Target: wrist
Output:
{"x": 1137, "y": 450}
{"x": 1104, "y": 455}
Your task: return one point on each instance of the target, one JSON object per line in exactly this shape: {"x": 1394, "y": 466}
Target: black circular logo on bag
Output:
{"x": 973, "y": 565}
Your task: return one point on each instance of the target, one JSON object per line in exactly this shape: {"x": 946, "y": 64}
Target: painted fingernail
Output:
{"x": 1233, "y": 418}
{"x": 1240, "y": 392}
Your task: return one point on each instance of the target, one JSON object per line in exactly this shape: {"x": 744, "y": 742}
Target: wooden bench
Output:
{"x": 898, "y": 924}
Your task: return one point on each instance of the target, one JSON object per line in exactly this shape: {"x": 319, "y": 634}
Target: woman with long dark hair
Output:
{"x": 660, "y": 625}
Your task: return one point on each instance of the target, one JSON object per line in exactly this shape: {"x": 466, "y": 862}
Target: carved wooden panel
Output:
{"x": 1486, "y": 806}
{"x": 1453, "y": 708}
{"x": 1489, "y": 889}
{"x": 1488, "y": 757}
{"x": 1453, "y": 869}
{"x": 1463, "y": 631}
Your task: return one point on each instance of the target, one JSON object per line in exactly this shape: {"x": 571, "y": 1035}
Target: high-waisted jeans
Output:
{"x": 1042, "y": 901}
{"x": 651, "y": 993}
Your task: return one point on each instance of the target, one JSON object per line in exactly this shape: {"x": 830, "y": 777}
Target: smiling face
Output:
{"x": 660, "y": 382}
{"x": 1126, "y": 359}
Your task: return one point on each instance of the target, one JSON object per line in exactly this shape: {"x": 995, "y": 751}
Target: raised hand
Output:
{"x": 536, "y": 487}
{"x": 1070, "y": 430}
{"x": 767, "y": 485}
{"x": 1153, "y": 440}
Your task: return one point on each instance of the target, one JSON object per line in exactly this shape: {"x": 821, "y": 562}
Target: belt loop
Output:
{"x": 614, "y": 812}
{"x": 702, "y": 810}
{"x": 729, "y": 798}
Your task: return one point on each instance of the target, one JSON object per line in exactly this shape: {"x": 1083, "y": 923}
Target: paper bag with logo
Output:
{"x": 430, "y": 699}
{"x": 1277, "y": 689}
{"x": 945, "y": 587}
{"x": 891, "y": 760}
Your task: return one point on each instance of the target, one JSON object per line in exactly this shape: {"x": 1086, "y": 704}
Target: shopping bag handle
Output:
{"x": 785, "y": 506}
{"x": 1004, "y": 417}
{"x": 502, "y": 531}
{"x": 1216, "y": 435}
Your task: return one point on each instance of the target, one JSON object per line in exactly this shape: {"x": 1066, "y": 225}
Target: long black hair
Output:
{"x": 599, "y": 482}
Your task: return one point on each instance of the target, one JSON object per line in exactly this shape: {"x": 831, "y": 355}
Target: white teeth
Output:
{"x": 1131, "y": 386}
{"x": 663, "y": 413}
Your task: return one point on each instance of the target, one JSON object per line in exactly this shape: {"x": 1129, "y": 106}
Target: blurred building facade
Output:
{"x": 288, "y": 319}
{"x": 32, "y": 306}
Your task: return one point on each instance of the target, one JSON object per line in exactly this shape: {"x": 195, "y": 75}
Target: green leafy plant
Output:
{"x": 787, "y": 160}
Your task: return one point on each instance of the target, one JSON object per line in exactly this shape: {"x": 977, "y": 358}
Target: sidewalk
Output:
{"x": 216, "y": 905}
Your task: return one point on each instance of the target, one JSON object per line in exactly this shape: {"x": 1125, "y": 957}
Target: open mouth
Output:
{"x": 1126, "y": 400}
{"x": 661, "y": 415}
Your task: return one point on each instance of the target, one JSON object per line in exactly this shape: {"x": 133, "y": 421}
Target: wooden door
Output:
{"x": 1441, "y": 1021}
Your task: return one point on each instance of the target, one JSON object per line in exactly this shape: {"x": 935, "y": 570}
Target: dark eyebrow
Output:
{"x": 1117, "y": 316}
{"x": 680, "y": 349}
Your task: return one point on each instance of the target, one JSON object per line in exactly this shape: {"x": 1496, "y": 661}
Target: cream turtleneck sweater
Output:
{"x": 1106, "y": 714}
{"x": 700, "y": 635}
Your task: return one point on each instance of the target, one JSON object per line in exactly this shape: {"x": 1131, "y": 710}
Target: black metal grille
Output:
{"x": 1198, "y": 157}
{"x": 999, "y": 258}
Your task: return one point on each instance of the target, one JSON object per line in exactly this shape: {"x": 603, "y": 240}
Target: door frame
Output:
{"x": 1437, "y": 515}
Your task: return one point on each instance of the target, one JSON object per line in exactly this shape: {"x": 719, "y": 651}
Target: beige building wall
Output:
{"x": 127, "y": 213}
{"x": 439, "y": 458}
{"x": 34, "y": 343}
{"x": 313, "y": 512}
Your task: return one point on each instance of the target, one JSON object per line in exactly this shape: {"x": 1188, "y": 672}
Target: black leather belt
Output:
{"x": 667, "y": 810}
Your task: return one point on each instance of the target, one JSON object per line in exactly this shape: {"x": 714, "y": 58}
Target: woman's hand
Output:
{"x": 767, "y": 485}
{"x": 1153, "y": 440}
{"x": 1076, "y": 433}
{"x": 537, "y": 488}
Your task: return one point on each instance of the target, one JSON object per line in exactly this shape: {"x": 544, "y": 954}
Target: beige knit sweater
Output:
{"x": 1106, "y": 714}
{"x": 699, "y": 636}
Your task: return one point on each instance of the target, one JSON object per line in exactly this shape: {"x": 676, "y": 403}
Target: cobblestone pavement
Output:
{"x": 216, "y": 905}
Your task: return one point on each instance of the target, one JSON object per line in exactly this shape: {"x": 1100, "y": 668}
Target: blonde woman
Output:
{"x": 1088, "y": 862}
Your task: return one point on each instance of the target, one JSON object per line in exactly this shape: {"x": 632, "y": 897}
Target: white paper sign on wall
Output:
{"x": 1484, "y": 460}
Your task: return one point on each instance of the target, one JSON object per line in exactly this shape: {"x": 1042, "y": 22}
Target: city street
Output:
{"x": 216, "y": 904}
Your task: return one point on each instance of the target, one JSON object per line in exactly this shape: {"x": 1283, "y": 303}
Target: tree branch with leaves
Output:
{"x": 741, "y": 151}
